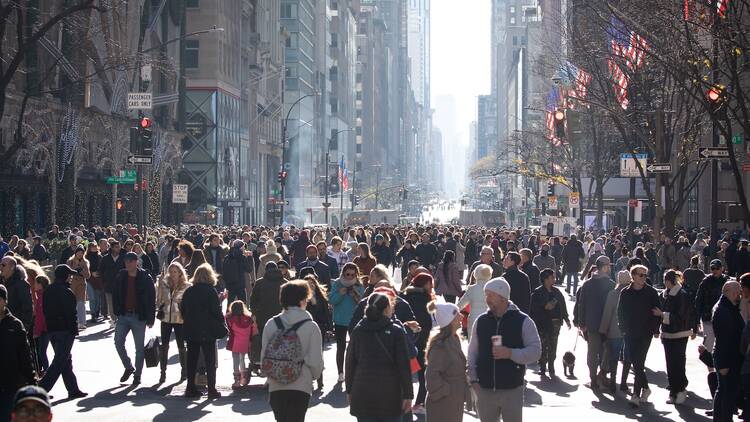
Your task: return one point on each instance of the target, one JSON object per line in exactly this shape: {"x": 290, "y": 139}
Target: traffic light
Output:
{"x": 404, "y": 194}
{"x": 282, "y": 176}
{"x": 551, "y": 189}
{"x": 119, "y": 204}
{"x": 354, "y": 199}
{"x": 717, "y": 99}
{"x": 146, "y": 132}
{"x": 560, "y": 124}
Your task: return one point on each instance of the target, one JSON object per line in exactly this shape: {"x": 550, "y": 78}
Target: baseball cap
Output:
{"x": 32, "y": 393}
{"x": 716, "y": 263}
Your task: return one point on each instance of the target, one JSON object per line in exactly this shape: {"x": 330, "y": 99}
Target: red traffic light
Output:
{"x": 146, "y": 123}
{"x": 714, "y": 94}
{"x": 119, "y": 204}
{"x": 559, "y": 115}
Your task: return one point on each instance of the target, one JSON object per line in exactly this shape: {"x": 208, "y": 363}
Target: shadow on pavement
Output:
{"x": 334, "y": 398}
{"x": 556, "y": 385}
{"x": 620, "y": 406}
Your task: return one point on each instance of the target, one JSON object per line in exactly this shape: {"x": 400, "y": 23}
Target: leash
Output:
{"x": 575, "y": 344}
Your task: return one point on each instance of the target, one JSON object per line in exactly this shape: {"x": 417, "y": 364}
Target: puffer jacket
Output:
{"x": 677, "y": 320}
{"x": 169, "y": 300}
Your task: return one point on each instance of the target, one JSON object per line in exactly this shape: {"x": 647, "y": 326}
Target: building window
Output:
{"x": 515, "y": 40}
{"x": 334, "y": 105}
{"x": 359, "y": 130}
{"x": 288, "y": 11}
{"x": 512, "y": 9}
{"x": 512, "y": 20}
{"x": 334, "y": 5}
{"x": 334, "y": 40}
{"x": 191, "y": 53}
{"x": 358, "y": 77}
{"x": 359, "y": 95}
{"x": 192, "y": 4}
{"x": 334, "y": 73}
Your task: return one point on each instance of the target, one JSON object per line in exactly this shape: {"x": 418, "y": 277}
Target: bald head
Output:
{"x": 732, "y": 291}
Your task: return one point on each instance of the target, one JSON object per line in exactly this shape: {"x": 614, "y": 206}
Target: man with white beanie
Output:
{"x": 503, "y": 341}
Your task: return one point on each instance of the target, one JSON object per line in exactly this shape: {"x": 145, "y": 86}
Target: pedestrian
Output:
{"x": 427, "y": 253}
{"x": 610, "y": 329}
{"x": 381, "y": 251}
{"x": 548, "y": 310}
{"x": 345, "y": 293}
{"x": 318, "y": 307}
{"x": 154, "y": 258}
{"x": 14, "y": 278}
{"x": 333, "y": 265}
{"x": 448, "y": 277}
{"x": 474, "y": 296}
{"x": 30, "y": 404}
{"x": 169, "y": 295}
{"x": 503, "y": 342}
{"x": 112, "y": 263}
{"x": 486, "y": 257}
{"x": 237, "y": 264}
{"x": 728, "y": 356}
{"x": 322, "y": 272}
{"x": 41, "y": 338}
{"x": 94, "y": 284}
{"x": 203, "y": 325}
{"x": 529, "y": 268}
{"x": 636, "y": 314}
{"x": 16, "y": 365}
{"x": 520, "y": 286}
{"x": 708, "y": 294}
{"x": 692, "y": 277}
{"x": 364, "y": 260}
{"x": 589, "y": 311}
{"x": 676, "y": 315}
{"x": 134, "y": 303}
{"x": 271, "y": 255}
{"x": 290, "y": 400}
{"x": 572, "y": 254}
{"x": 544, "y": 260}
{"x": 419, "y": 294}
{"x": 378, "y": 377}
{"x": 80, "y": 265}
{"x": 241, "y": 328}
{"x": 446, "y": 381}
{"x": 62, "y": 328}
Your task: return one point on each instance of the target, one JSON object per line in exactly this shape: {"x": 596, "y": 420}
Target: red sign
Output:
{"x": 633, "y": 203}
{"x": 746, "y": 167}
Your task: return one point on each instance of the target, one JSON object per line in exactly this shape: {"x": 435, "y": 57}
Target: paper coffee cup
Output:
{"x": 497, "y": 340}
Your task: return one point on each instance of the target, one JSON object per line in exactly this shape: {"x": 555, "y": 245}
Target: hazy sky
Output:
{"x": 460, "y": 57}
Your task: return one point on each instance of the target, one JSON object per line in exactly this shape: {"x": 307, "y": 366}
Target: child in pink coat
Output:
{"x": 242, "y": 328}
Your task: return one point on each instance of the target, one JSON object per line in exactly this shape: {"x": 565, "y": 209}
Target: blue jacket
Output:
{"x": 4, "y": 248}
{"x": 344, "y": 305}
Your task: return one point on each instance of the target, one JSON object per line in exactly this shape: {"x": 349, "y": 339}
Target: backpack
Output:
{"x": 283, "y": 360}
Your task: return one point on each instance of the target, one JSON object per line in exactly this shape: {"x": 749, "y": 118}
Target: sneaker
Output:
{"x": 341, "y": 377}
{"x": 418, "y": 409}
{"x": 125, "y": 375}
{"x": 681, "y": 397}
{"x": 645, "y": 394}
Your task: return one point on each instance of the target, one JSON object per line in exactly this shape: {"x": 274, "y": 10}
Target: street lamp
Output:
{"x": 283, "y": 152}
{"x": 203, "y": 31}
{"x": 326, "y": 204}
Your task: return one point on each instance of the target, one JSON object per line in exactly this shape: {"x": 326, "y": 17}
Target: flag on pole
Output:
{"x": 553, "y": 103}
{"x": 629, "y": 47}
{"x": 575, "y": 80}
{"x": 343, "y": 175}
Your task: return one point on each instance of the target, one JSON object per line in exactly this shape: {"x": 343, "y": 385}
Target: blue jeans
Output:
{"x": 576, "y": 279}
{"x": 81, "y": 311}
{"x": 125, "y": 324}
{"x": 95, "y": 306}
{"x": 62, "y": 363}
{"x": 41, "y": 343}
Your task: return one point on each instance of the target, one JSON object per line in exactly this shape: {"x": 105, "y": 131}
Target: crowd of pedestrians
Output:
{"x": 397, "y": 302}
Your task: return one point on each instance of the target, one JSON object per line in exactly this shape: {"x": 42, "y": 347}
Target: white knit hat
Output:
{"x": 444, "y": 314}
{"x": 483, "y": 272}
{"x": 498, "y": 285}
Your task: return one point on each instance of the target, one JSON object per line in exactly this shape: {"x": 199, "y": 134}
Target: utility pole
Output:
{"x": 659, "y": 200}
{"x": 714, "y": 235}
{"x": 377, "y": 185}
{"x": 341, "y": 197}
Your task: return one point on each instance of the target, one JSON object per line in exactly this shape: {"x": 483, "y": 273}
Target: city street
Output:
{"x": 98, "y": 369}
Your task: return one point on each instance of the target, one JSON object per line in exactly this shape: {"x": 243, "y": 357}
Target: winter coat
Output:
{"x": 590, "y": 303}
{"x": 234, "y": 268}
{"x": 319, "y": 311}
{"x": 215, "y": 256}
{"x": 343, "y": 305}
{"x": 546, "y": 319}
{"x": 450, "y": 284}
{"x": 572, "y": 254}
{"x": 402, "y": 311}
{"x": 264, "y": 300}
{"x": 19, "y": 297}
{"x": 532, "y": 271}
{"x": 471, "y": 254}
{"x": 168, "y": 301}
{"x": 446, "y": 381}
{"x": 497, "y": 270}
{"x": 299, "y": 249}
{"x": 609, "y": 327}
{"x": 108, "y": 269}
{"x": 241, "y": 331}
{"x": 145, "y": 296}
{"x": 677, "y": 320}
{"x": 15, "y": 355}
{"x": 520, "y": 288}
{"x": 634, "y": 312}
{"x": 728, "y": 327}
{"x": 382, "y": 254}
{"x": 682, "y": 257}
{"x": 474, "y": 298}
{"x": 201, "y": 313}
{"x": 461, "y": 256}
{"x": 668, "y": 257}
{"x": 265, "y": 259}
{"x": 78, "y": 281}
{"x": 312, "y": 349}
{"x": 418, "y": 300}
{"x": 378, "y": 375}
{"x": 40, "y": 323}
{"x": 709, "y": 292}
{"x": 545, "y": 262}
{"x": 365, "y": 265}
{"x": 321, "y": 270}
{"x": 60, "y": 308}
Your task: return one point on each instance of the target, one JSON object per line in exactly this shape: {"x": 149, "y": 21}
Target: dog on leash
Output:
{"x": 569, "y": 364}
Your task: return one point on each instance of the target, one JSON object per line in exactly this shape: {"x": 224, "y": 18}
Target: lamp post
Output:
{"x": 326, "y": 204}
{"x": 283, "y": 153}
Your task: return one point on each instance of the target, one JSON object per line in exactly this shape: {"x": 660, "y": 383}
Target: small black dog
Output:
{"x": 569, "y": 363}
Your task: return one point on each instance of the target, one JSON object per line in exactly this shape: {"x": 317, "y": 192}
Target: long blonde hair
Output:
{"x": 183, "y": 278}
{"x": 205, "y": 274}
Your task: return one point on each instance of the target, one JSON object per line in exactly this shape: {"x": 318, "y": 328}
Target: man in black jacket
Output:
{"x": 427, "y": 253}
{"x": 572, "y": 254}
{"x": 333, "y": 265}
{"x": 321, "y": 269}
{"x": 709, "y": 292}
{"x": 15, "y": 356}
{"x": 529, "y": 268}
{"x": 638, "y": 325}
{"x": 520, "y": 288}
{"x": 62, "y": 329}
{"x": 19, "y": 291}
{"x": 728, "y": 356}
{"x": 548, "y": 310}
{"x": 110, "y": 265}
{"x": 134, "y": 303}
{"x": 70, "y": 250}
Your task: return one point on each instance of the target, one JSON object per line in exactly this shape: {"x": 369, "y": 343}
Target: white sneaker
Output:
{"x": 81, "y": 327}
{"x": 341, "y": 377}
{"x": 645, "y": 393}
{"x": 681, "y": 397}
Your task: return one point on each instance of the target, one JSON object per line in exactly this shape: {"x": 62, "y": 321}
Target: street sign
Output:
{"x": 140, "y": 160}
{"x": 326, "y": 204}
{"x": 633, "y": 203}
{"x": 117, "y": 180}
{"x": 179, "y": 194}
{"x": 659, "y": 168}
{"x": 737, "y": 139}
{"x": 713, "y": 153}
{"x": 128, "y": 174}
{"x": 139, "y": 101}
{"x": 629, "y": 166}
{"x": 552, "y": 202}
{"x": 574, "y": 201}
{"x": 234, "y": 204}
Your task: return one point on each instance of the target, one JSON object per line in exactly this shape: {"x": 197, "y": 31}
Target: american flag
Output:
{"x": 554, "y": 100}
{"x": 621, "y": 80}
{"x": 629, "y": 46}
{"x": 576, "y": 79}
{"x": 721, "y": 8}
{"x": 343, "y": 175}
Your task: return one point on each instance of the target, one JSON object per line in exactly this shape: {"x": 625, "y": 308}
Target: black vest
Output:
{"x": 502, "y": 374}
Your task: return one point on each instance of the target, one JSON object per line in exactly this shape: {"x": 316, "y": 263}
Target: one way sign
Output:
{"x": 660, "y": 168}
{"x": 713, "y": 153}
{"x": 140, "y": 159}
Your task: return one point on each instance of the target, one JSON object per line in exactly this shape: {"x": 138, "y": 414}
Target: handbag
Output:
{"x": 160, "y": 312}
{"x": 151, "y": 352}
{"x": 219, "y": 329}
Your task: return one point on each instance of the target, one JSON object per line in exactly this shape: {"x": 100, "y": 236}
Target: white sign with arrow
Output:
{"x": 659, "y": 168}
{"x": 713, "y": 153}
